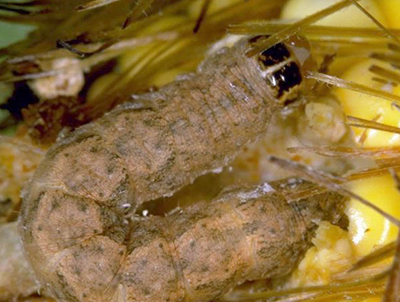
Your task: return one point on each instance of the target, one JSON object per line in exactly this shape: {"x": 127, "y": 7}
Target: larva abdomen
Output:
{"x": 73, "y": 223}
{"x": 244, "y": 234}
{"x": 196, "y": 255}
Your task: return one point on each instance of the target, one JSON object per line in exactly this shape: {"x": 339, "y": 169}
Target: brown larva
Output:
{"x": 83, "y": 247}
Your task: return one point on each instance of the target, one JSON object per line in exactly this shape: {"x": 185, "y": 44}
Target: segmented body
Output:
{"x": 73, "y": 218}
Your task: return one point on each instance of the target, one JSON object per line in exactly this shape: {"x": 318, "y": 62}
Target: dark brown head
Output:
{"x": 283, "y": 67}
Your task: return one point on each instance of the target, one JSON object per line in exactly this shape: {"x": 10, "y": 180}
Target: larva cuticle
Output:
{"x": 73, "y": 219}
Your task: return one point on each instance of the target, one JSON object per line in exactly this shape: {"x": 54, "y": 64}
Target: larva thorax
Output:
{"x": 73, "y": 216}
{"x": 188, "y": 128}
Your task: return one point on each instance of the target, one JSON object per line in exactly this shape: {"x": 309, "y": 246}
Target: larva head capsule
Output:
{"x": 283, "y": 67}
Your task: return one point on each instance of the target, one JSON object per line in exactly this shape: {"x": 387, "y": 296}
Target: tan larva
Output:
{"x": 74, "y": 224}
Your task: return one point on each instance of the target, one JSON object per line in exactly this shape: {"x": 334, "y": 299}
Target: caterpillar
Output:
{"x": 77, "y": 221}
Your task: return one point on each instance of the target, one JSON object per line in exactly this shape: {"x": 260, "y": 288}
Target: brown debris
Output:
{"x": 46, "y": 119}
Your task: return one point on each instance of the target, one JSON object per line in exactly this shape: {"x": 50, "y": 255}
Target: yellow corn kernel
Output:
{"x": 332, "y": 252}
{"x": 391, "y": 9}
{"x": 367, "y": 228}
{"x": 374, "y": 299}
{"x": 368, "y": 107}
{"x": 350, "y": 16}
{"x": 342, "y": 63}
{"x": 322, "y": 122}
{"x": 334, "y": 249}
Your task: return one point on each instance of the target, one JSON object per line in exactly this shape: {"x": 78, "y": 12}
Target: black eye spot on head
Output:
{"x": 281, "y": 70}
{"x": 287, "y": 77}
{"x": 275, "y": 54}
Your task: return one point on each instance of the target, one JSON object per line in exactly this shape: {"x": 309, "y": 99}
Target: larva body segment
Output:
{"x": 73, "y": 223}
{"x": 195, "y": 125}
{"x": 244, "y": 234}
{"x": 194, "y": 255}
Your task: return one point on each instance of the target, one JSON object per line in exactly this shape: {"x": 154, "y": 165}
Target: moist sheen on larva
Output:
{"x": 73, "y": 222}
